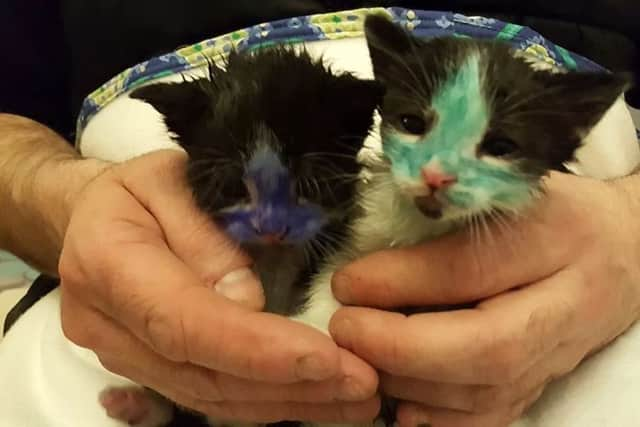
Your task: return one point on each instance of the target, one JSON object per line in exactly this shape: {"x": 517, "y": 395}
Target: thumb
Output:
{"x": 458, "y": 268}
{"x": 189, "y": 233}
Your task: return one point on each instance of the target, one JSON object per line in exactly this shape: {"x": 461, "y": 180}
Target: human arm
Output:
{"x": 40, "y": 174}
{"x": 557, "y": 285}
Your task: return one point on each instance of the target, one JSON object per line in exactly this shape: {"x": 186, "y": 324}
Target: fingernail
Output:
{"x": 234, "y": 277}
{"x": 312, "y": 368}
{"x": 242, "y": 286}
{"x": 342, "y": 287}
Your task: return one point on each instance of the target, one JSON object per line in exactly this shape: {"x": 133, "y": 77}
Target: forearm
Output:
{"x": 40, "y": 175}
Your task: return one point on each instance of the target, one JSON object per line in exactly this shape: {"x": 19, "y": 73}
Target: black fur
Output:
{"x": 308, "y": 108}
{"x": 545, "y": 114}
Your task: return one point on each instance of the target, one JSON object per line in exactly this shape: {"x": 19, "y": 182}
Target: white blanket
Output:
{"x": 45, "y": 381}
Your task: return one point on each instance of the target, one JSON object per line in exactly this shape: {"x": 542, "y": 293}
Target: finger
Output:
{"x": 412, "y": 414}
{"x": 483, "y": 398}
{"x": 125, "y": 355}
{"x": 455, "y": 269}
{"x": 164, "y": 304}
{"x": 493, "y": 344}
{"x": 189, "y": 232}
{"x": 274, "y": 412}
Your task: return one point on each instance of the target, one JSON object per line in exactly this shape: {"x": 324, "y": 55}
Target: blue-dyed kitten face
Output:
{"x": 273, "y": 212}
{"x": 468, "y": 127}
{"x": 272, "y": 142}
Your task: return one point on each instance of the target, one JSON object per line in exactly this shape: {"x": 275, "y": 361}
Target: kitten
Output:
{"x": 468, "y": 130}
{"x": 272, "y": 141}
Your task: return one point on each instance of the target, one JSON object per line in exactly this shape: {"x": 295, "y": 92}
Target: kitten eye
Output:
{"x": 414, "y": 125}
{"x": 499, "y": 147}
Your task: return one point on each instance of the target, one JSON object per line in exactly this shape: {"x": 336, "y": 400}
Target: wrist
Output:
{"x": 44, "y": 202}
{"x": 55, "y": 191}
{"x": 40, "y": 178}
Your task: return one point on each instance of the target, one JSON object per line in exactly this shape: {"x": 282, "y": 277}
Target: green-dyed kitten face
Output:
{"x": 468, "y": 127}
{"x": 459, "y": 117}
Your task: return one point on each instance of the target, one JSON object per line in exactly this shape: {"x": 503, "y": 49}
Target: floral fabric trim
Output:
{"x": 329, "y": 26}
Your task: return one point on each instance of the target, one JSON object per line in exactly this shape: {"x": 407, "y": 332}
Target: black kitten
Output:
{"x": 272, "y": 141}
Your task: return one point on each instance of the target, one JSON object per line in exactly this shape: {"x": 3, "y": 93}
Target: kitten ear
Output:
{"x": 363, "y": 96}
{"x": 387, "y": 42}
{"x": 359, "y": 100}
{"x": 181, "y": 104}
{"x": 584, "y": 97}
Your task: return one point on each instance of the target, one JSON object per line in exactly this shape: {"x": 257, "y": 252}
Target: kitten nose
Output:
{"x": 436, "y": 179}
{"x": 274, "y": 238}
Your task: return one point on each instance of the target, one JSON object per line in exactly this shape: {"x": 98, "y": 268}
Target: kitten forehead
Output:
{"x": 463, "y": 118}
{"x": 461, "y": 107}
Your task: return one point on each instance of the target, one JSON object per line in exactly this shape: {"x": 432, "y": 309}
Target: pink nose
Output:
{"x": 437, "y": 180}
{"x": 271, "y": 239}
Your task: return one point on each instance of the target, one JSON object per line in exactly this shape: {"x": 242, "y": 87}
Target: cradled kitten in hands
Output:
{"x": 469, "y": 129}
{"x": 272, "y": 141}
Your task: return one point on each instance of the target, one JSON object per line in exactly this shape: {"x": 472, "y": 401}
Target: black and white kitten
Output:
{"x": 272, "y": 140}
{"x": 469, "y": 128}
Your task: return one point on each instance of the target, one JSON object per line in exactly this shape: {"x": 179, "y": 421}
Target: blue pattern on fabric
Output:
{"x": 329, "y": 26}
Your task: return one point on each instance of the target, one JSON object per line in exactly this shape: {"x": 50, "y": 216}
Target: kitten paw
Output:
{"x": 136, "y": 406}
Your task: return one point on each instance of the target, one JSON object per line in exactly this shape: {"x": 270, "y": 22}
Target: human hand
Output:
{"x": 557, "y": 285}
{"x": 139, "y": 268}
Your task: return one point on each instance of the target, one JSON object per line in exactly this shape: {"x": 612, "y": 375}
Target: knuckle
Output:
{"x": 204, "y": 387}
{"x": 74, "y": 333}
{"x": 489, "y": 398}
{"x": 113, "y": 366}
{"x": 164, "y": 334}
{"x": 76, "y": 329}
{"x": 222, "y": 410}
{"x": 69, "y": 270}
{"x": 90, "y": 259}
{"x": 211, "y": 409}
{"x": 79, "y": 335}
{"x": 463, "y": 274}
{"x": 397, "y": 354}
{"x": 505, "y": 361}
